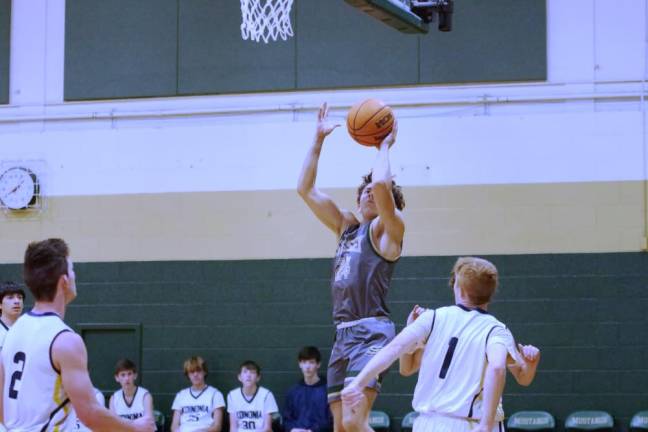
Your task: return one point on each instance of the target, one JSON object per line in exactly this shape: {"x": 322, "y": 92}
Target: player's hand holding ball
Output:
{"x": 391, "y": 138}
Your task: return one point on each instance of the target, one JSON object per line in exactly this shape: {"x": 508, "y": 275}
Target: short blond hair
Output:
{"x": 195, "y": 363}
{"x": 477, "y": 278}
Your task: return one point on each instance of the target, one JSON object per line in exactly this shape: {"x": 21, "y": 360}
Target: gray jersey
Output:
{"x": 361, "y": 277}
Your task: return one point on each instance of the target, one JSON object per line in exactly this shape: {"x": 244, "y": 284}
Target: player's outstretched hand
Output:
{"x": 324, "y": 127}
{"x": 391, "y": 138}
{"x": 144, "y": 424}
{"x": 530, "y": 353}
{"x": 352, "y": 395}
{"x": 416, "y": 312}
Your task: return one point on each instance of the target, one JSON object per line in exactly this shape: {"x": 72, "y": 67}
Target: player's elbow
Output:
{"x": 406, "y": 371}
{"x": 304, "y": 191}
{"x": 498, "y": 371}
{"x": 524, "y": 380}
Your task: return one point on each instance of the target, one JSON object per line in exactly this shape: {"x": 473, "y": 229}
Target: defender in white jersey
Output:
{"x": 131, "y": 401}
{"x": 43, "y": 372}
{"x": 11, "y": 306}
{"x": 199, "y": 407}
{"x": 250, "y": 406}
{"x": 101, "y": 400}
{"x": 464, "y": 357}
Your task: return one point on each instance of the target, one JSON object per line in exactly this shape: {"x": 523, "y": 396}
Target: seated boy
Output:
{"x": 306, "y": 408}
{"x": 11, "y": 306}
{"x": 199, "y": 407}
{"x": 250, "y": 406}
{"x": 131, "y": 401}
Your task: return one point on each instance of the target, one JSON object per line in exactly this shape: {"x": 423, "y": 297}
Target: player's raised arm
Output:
{"x": 390, "y": 225}
{"x": 321, "y": 204}
{"x": 70, "y": 357}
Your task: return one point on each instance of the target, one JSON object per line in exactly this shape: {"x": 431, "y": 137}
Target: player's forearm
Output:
{"x": 379, "y": 363}
{"x": 494, "y": 381}
{"x": 308, "y": 174}
{"x": 381, "y": 172}
{"x": 409, "y": 363}
{"x": 100, "y": 419}
{"x": 526, "y": 373}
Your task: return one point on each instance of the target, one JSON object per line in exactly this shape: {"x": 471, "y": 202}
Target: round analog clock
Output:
{"x": 19, "y": 188}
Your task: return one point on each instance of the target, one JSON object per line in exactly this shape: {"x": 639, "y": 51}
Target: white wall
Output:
{"x": 587, "y": 123}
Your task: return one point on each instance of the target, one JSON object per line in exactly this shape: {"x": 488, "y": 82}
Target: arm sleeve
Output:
{"x": 270, "y": 405}
{"x": 422, "y": 327}
{"x": 503, "y": 336}
{"x": 230, "y": 404}
{"x": 177, "y": 405}
{"x": 217, "y": 400}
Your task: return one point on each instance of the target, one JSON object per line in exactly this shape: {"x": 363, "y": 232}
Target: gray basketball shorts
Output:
{"x": 355, "y": 344}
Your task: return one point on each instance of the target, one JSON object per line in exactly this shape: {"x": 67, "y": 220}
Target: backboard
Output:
{"x": 394, "y": 13}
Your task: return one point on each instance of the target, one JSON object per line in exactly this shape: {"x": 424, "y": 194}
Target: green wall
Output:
{"x": 587, "y": 312}
{"x": 5, "y": 37}
{"x": 119, "y": 49}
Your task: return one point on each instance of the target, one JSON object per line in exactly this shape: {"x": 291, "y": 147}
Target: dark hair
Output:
{"x": 397, "y": 192}
{"x": 193, "y": 364}
{"x": 8, "y": 288}
{"x": 309, "y": 353}
{"x": 125, "y": 365}
{"x": 45, "y": 263}
{"x": 250, "y": 365}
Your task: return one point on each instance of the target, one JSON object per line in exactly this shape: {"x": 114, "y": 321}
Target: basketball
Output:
{"x": 370, "y": 121}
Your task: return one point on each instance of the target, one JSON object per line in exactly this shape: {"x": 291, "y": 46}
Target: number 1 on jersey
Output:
{"x": 448, "y": 357}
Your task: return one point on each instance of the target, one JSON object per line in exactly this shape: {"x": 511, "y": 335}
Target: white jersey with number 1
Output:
{"x": 450, "y": 380}
{"x": 33, "y": 396}
{"x": 250, "y": 412}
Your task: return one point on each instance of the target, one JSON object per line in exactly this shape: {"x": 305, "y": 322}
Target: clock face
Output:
{"x": 18, "y": 188}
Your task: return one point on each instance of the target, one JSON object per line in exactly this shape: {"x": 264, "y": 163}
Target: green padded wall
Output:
{"x": 502, "y": 40}
{"x": 587, "y": 312}
{"x": 5, "y": 38}
{"x": 120, "y": 48}
{"x": 183, "y": 47}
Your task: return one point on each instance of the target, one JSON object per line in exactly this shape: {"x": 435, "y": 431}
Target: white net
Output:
{"x": 266, "y": 20}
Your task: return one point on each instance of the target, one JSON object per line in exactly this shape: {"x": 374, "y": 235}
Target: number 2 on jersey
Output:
{"x": 448, "y": 357}
{"x": 20, "y": 357}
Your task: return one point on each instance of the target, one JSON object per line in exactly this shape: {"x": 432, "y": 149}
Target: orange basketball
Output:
{"x": 370, "y": 121}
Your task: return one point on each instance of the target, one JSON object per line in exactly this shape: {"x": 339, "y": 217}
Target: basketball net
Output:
{"x": 266, "y": 20}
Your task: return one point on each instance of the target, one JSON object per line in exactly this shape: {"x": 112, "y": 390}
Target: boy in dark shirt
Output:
{"x": 306, "y": 408}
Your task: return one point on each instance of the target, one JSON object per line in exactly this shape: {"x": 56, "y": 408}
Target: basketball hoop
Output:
{"x": 266, "y": 20}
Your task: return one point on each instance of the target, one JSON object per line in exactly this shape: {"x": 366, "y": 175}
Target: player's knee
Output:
{"x": 352, "y": 423}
